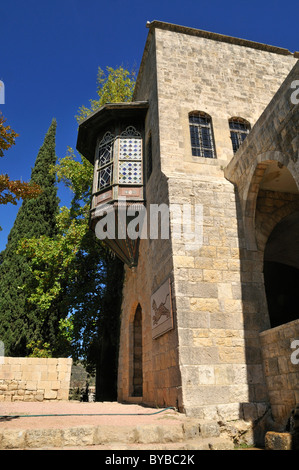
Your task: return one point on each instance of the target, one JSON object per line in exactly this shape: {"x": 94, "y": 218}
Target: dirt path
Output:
{"x": 105, "y": 413}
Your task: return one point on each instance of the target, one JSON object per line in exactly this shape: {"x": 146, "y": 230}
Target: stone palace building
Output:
{"x": 210, "y": 308}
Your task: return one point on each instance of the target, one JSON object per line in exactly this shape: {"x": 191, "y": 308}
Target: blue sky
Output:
{"x": 50, "y": 52}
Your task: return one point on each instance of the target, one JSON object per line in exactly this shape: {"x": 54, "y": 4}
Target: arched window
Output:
{"x": 201, "y": 133}
{"x": 239, "y": 129}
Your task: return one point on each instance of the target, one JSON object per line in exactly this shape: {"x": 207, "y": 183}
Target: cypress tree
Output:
{"x": 21, "y": 321}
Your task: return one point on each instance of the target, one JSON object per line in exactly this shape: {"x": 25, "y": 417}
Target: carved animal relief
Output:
{"x": 161, "y": 310}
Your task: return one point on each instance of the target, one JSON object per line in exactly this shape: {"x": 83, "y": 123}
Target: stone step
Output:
{"x": 189, "y": 445}
{"x": 184, "y": 436}
{"x": 281, "y": 441}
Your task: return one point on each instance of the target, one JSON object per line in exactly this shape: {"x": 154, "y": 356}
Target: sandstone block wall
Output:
{"x": 282, "y": 375}
{"x": 266, "y": 200}
{"x": 272, "y": 146}
{"x": 34, "y": 379}
{"x": 160, "y": 364}
{"x": 219, "y": 286}
{"x": 211, "y": 361}
{"x": 224, "y": 80}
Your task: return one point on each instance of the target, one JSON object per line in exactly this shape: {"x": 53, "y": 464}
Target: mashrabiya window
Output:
{"x": 120, "y": 159}
{"x": 105, "y": 161}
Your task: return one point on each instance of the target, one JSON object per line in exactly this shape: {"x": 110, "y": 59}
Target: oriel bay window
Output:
{"x": 112, "y": 139}
{"x": 120, "y": 184}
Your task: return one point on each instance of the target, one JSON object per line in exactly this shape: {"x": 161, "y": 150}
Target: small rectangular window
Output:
{"x": 201, "y": 133}
{"x": 239, "y": 129}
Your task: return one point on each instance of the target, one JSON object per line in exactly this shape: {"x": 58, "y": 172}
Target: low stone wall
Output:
{"x": 34, "y": 379}
{"x": 281, "y": 365}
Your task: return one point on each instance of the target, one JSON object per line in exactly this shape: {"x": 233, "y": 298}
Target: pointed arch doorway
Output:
{"x": 137, "y": 367}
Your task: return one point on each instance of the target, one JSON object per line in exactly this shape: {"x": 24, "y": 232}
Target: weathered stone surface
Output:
{"x": 150, "y": 434}
{"x": 278, "y": 441}
{"x": 106, "y": 434}
{"x": 42, "y": 438}
{"x": 34, "y": 379}
{"x": 12, "y": 439}
{"x": 210, "y": 364}
{"x": 82, "y": 434}
{"x": 187, "y": 434}
{"x": 281, "y": 375}
{"x": 209, "y": 429}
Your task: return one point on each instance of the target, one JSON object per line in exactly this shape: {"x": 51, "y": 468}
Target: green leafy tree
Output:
{"x": 21, "y": 322}
{"x": 81, "y": 270}
{"x": 113, "y": 86}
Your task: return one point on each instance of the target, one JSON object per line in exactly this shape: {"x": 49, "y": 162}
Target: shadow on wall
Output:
{"x": 270, "y": 296}
{"x": 255, "y": 319}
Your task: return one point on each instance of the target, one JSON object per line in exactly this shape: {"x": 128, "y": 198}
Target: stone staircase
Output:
{"x": 186, "y": 435}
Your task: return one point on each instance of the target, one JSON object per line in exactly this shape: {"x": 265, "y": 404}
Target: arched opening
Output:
{"x": 269, "y": 175}
{"x": 137, "y": 354}
{"x": 281, "y": 271}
